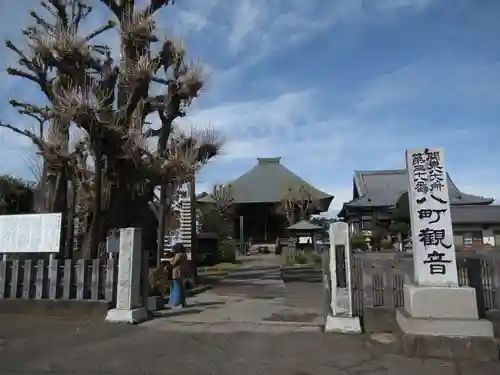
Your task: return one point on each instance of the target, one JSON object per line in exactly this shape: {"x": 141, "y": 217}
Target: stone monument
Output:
{"x": 129, "y": 308}
{"x": 340, "y": 317}
{"x": 435, "y": 305}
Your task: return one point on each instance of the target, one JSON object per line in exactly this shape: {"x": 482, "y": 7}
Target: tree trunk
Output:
{"x": 160, "y": 241}
{"x": 57, "y": 193}
{"x": 96, "y": 234}
{"x": 70, "y": 229}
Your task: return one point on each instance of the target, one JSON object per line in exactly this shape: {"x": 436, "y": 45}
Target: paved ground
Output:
{"x": 31, "y": 346}
{"x": 254, "y": 293}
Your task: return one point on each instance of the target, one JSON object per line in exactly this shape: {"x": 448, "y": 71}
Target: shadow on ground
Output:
{"x": 192, "y": 308}
{"x": 305, "y": 274}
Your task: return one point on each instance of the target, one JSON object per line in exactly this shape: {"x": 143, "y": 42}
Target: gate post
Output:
{"x": 129, "y": 307}
{"x": 341, "y": 317}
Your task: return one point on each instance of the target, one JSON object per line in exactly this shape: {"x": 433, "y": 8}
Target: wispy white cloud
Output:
{"x": 194, "y": 15}
{"x": 473, "y": 79}
{"x": 262, "y": 27}
{"x": 398, "y": 4}
{"x": 244, "y": 22}
{"x": 270, "y": 113}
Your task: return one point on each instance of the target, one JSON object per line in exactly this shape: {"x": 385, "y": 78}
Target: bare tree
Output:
{"x": 35, "y": 166}
{"x": 112, "y": 168}
{"x": 297, "y": 204}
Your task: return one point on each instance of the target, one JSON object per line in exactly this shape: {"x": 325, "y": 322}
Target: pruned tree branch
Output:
{"x": 27, "y": 133}
{"x": 60, "y": 6}
{"x": 155, "y": 5}
{"x": 100, "y": 30}
{"x": 39, "y": 75}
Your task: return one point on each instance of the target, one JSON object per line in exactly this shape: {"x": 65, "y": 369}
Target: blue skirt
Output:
{"x": 177, "y": 295}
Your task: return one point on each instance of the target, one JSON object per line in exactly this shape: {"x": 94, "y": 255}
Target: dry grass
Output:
{"x": 301, "y": 257}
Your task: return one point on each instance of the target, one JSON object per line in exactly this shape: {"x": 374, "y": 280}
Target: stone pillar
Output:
{"x": 435, "y": 305}
{"x": 340, "y": 317}
{"x": 129, "y": 307}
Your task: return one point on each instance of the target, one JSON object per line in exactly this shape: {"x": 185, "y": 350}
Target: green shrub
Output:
{"x": 300, "y": 258}
{"x": 386, "y": 244}
{"x": 316, "y": 259}
{"x": 358, "y": 241}
{"x": 227, "y": 251}
{"x": 208, "y": 252}
{"x": 289, "y": 260}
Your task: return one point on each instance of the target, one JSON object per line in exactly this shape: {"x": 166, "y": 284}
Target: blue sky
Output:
{"x": 330, "y": 86}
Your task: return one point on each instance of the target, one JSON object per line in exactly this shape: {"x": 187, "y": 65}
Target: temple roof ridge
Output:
{"x": 268, "y": 182}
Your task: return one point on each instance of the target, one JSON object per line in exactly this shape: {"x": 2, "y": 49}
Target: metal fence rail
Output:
{"x": 378, "y": 279}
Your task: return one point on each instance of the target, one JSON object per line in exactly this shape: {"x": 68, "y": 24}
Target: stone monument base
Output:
{"x": 443, "y": 322}
{"x": 442, "y": 311}
{"x": 342, "y": 324}
{"x": 440, "y": 302}
{"x": 471, "y": 348}
{"x": 132, "y": 316}
{"x": 442, "y": 326}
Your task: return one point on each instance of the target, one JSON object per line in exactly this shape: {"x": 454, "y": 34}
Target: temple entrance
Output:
{"x": 257, "y": 296}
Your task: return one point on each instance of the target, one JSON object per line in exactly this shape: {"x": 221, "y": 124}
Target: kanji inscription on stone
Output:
{"x": 432, "y": 235}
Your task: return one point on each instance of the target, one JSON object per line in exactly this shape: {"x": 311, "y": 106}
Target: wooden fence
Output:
{"x": 378, "y": 279}
{"x": 94, "y": 280}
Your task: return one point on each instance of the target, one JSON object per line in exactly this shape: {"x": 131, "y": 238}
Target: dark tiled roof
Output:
{"x": 268, "y": 182}
{"x": 384, "y": 188}
{"x": 475, "y": 214}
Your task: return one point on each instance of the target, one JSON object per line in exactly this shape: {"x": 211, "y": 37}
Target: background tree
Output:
{"x": 297, "y": 204}
{"x": 358, "y": 241}
{"x": 112, "y": 168}
{"x": 16, "y": 196}
{"x": 218, "y": 215}
{"x": 324, "y": 223}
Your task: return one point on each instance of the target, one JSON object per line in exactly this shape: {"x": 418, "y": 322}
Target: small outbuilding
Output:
{"x": 305, "y": 232}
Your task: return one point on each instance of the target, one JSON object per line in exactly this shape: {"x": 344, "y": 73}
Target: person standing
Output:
{"x": 179, "y": 264}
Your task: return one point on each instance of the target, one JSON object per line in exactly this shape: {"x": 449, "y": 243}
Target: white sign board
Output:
{"x": 305, "y": 240}
{"x": 32, "y": 233}
{"x": 432, "y": 235}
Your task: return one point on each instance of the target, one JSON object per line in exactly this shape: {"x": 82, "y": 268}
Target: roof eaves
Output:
{"x": 476, "y": 214}
{"x": 469, "y": 199}
{"x": 206, "y": 199}
{"x": 359, "y": 184}
{"x": 364, "y": 201}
